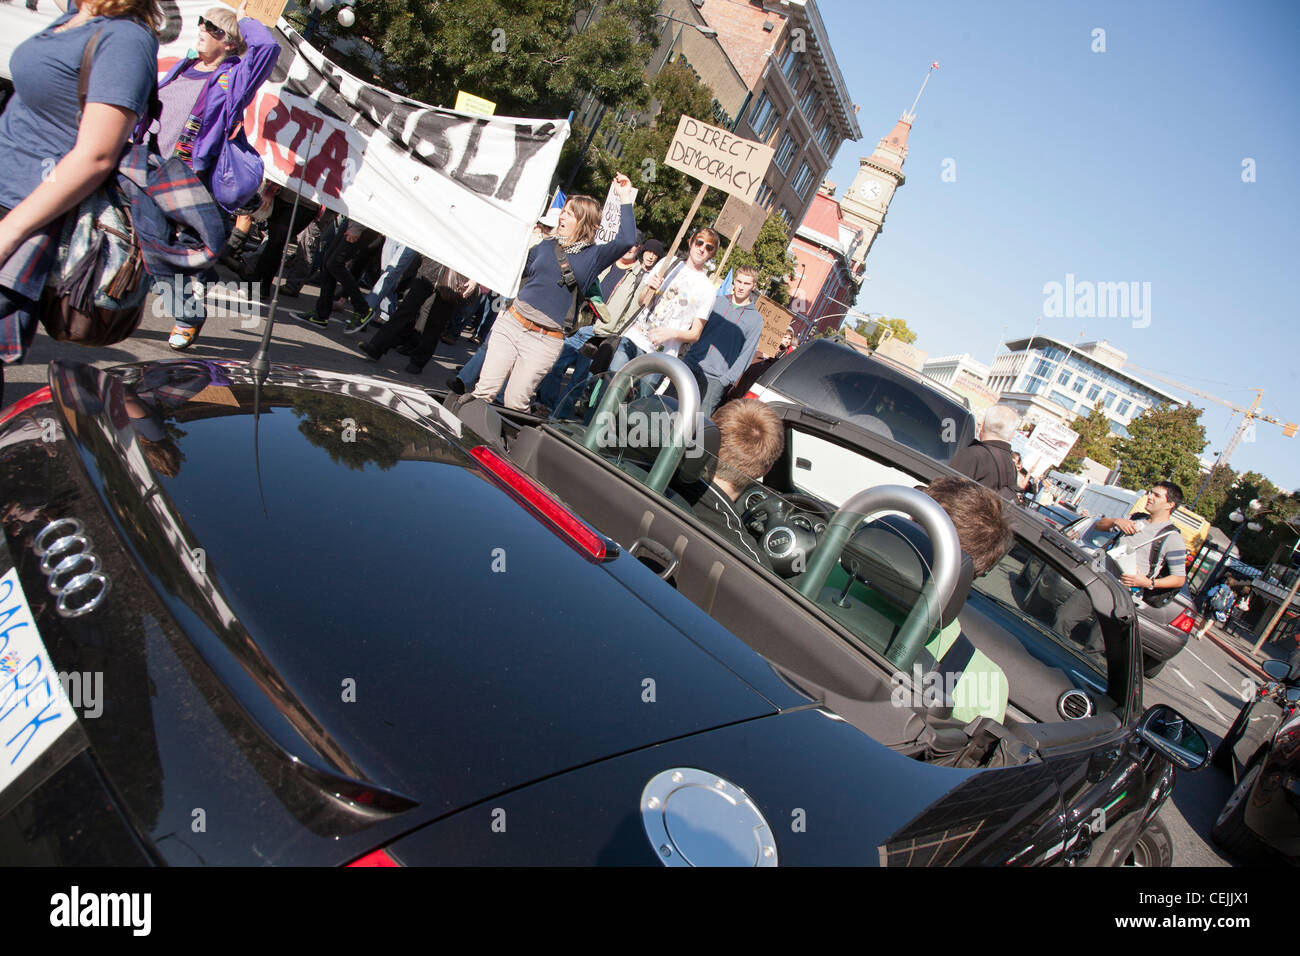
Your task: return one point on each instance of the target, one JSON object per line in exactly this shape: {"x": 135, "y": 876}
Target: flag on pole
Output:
{"x": 934, "y": 65}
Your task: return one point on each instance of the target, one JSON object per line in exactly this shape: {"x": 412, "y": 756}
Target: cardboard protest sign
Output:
{"x": 264, "y": 11}
{"x": 776, "y": 319}
{"x": 738, "y": 214}
{"x": 469, "y": 103}
{"x": 610, "y": 216}
{"x": 718, "y": 158}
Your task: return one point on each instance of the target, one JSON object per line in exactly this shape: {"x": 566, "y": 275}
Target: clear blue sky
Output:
{"x": 1123, "y": 165}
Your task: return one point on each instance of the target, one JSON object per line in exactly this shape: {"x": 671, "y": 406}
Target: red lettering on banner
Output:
{"x": 330, "y": 161}
{"x": 274, "y": 115}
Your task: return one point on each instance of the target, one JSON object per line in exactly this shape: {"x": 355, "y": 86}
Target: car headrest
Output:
{"x": 696, "y": 465}
{"x": 643, "y": 429}
{"x": 892, "y": 555}
{"x": 478, "y": 415}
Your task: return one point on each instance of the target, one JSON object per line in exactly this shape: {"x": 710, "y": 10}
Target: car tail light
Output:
{"x": 1183, "y": 622}
{"x": 751, "y": 394}
{"x": 378, "y": 857}
{"x": 38, "y": 397}
{"x": 542, "y": 503}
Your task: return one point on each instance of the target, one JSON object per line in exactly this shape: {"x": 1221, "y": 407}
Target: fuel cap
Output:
{"x": 696, "y": 818}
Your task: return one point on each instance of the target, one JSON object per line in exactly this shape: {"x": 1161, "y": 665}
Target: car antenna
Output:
{"x": 260, "y": 366}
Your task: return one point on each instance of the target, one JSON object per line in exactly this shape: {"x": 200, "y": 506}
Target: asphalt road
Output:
{"x": 1205, "y": 684}
{"x": 232, "y": 331}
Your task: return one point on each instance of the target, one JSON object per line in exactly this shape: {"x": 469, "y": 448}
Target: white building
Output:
{"x": 1044, "y": 373}
{"x": 946, "y": 369}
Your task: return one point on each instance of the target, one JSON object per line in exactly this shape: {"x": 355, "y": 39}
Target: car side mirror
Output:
{"x": 1292, "y": 695}
{"x": 1174, "y": 736}
{"x": 1277, "y": 670}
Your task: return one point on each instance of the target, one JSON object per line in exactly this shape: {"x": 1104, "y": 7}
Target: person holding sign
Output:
{"x": 528, "y": 337}
{"x": 675, "y": 301}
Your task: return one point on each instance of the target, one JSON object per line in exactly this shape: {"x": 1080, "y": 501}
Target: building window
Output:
{"x": 1109, "y": 399}
{"x": 764, "y": 197}
{"x": 825, "y": 136}
{"x": 1124, "y": 406}
{"x": 1079, "y": 386}
{"x": 809, "y": 102}
{"x": 1118, "y": 429}
{"x": 785, "y": 153}
{"x": 803, "y": 180}
{"x": 1063, "y": 400}
{"x": 1043, "y": 368}
{"x": 1093, "y": 392}
{"x": 791, "y": 66}
{"x": 1063, "y": 378}
{"x": 762, "y": 116}
{"x": 785, "y": 216}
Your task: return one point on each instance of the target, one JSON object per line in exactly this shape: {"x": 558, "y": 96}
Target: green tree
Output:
{"x": 664, "y": 195}
{"x": 1163, "y": 445}
{"x": 531, "y": 57}
{"x": 1215, "y": 493}
{"x": 1095, "y": 442}
{"x": 1278, "y": 509}
{"x": 771, "y": 257}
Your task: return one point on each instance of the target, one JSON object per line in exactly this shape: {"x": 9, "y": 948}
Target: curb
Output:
{"x": 1241, "y": 657}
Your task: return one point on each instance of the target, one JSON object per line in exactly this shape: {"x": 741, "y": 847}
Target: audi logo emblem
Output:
{"x": 70, "y": 567}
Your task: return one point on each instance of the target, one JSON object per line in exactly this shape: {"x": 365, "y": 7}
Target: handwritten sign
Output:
{"x": 610, "y": 216}
{"x": 718, "y": 158}
{"x": 776, "y": 319}
{"x": 738, "y": 214}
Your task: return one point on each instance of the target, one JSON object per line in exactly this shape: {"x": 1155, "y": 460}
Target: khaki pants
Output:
{"x": 519, "y": 356}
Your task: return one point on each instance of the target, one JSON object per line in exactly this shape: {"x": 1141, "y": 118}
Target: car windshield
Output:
{"x": 839, "y": 381}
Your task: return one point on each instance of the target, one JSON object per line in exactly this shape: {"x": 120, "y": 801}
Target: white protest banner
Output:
{"x": 718, "y": 158}
{"x": 610, "y": 216}
{"x": 463, "y": 190}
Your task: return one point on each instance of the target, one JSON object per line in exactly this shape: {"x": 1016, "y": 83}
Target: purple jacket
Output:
{"x": 231, "y": 89}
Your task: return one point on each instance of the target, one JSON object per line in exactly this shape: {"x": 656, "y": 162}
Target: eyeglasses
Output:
{"x": 212, "y": 29}
{"x": 705, "y": 245}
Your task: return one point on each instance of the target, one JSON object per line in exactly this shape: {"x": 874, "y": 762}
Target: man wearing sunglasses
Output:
{"x": 675, "y": 302}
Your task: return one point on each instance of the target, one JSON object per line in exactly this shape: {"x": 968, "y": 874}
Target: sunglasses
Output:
{"x": 705, "y": 244}
{"x": 212, "y": 29}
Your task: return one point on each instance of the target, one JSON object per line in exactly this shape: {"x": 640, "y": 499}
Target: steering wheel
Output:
{"x": 786, "y": 544}
{"x": 766, "y": 511}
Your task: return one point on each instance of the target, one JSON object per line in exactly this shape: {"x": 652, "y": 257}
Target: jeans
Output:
{"x": 548, "y": 393}
{"x": 396, "y": 260}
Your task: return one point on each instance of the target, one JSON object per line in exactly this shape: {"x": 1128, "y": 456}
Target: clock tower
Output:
{"x": 879, "y": 175}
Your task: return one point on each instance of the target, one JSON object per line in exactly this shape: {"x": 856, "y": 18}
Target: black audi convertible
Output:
{"x": 324, "y": 619}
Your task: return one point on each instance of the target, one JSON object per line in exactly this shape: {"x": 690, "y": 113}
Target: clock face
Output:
{"x": 871, "y": 190}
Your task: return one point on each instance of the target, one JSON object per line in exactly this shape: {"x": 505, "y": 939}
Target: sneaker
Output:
{"x": 358, "y": 321}
{"x": 290, "y": 291}
{"x": 181, "y": 337}
{"x": 454, "y": 384}
{"x": 369, "y": 352}
{"x": 414, "y": 368}
{"x": 311, "y": 318}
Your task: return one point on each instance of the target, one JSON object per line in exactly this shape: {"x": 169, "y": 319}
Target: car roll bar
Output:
{"x": 683, "y": 425}
{"x": 944, "y": 575}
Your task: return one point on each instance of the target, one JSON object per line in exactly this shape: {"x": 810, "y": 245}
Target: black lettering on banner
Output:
{"x": 172, "y": 25}
{"x": 481, "y": 183}
{"x": 528, "y": 143}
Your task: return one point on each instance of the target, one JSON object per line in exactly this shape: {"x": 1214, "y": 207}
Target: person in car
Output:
{"x": 988, "y": 461}
{"x": 984, "y": 532}
{"x": 751, "y": 440}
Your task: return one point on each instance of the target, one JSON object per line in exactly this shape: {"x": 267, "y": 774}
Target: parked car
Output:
{"x": 1164, "y": 630}
{"x": 1055, "y": 515}
{"x": 1261, "y": 752}
{"x": 334, "y": 622}
{"x": 833, "y": 379}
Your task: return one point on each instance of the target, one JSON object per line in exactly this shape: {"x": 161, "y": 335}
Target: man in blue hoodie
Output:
{"x": 729, "y": 340}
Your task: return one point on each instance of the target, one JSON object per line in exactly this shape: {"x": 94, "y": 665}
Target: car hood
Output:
{"x": 384, "y": 611}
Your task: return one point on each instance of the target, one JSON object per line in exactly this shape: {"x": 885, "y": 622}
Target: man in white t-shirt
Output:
{"x": 675, "y": 300}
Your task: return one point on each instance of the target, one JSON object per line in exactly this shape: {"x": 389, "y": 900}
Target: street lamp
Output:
{"x": 1254, "y": 509}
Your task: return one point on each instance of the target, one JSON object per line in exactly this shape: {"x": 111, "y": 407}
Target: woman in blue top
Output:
{"x": 53, "y": 155}
{"x": 528, "y": 337}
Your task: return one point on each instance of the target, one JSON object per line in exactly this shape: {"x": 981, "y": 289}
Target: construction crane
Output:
{"x": 1251, "y": 414}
